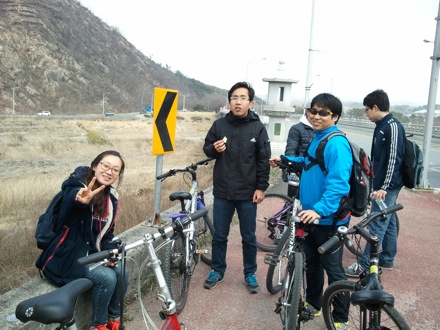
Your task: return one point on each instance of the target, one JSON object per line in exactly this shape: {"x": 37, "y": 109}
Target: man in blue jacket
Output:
{"x": 240, "y": 144}
{"x": 387, "y": 152}
{"x": 320, "y": 196}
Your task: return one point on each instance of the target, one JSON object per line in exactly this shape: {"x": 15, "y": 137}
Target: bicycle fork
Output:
{"x": 169, "y": 311}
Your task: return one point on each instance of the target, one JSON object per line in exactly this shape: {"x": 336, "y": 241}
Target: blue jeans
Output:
{"x": 106, "y": 292}
{"x": 386, "y": 231}
{"x": 223, "y": 211}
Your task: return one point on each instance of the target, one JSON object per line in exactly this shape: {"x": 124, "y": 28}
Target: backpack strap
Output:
{"x": 319, "y": 160}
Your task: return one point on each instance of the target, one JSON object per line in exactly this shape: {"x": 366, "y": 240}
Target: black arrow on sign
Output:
{"x": 161, "y": 119}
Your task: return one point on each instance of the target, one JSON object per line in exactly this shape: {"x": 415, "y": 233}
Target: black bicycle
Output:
{"x": 355, "y": 243}
{"x": 362, "y": 304}
{"x": 287, "y": 274}
{"x": 274, "y": 211}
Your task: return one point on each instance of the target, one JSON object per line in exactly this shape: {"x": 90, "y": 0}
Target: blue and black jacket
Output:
{"x": 318, "y": 191}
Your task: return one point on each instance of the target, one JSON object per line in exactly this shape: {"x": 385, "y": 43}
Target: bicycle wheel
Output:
{"x": 356, "y": 244}
{"x": 175, "y": 272}
{"x": 336, "y": 303}
{"x": 205, "y": 240}
{"x": 277, "y": 269}
{"x": 292, "y": 297}
{"x": 271, "y": 220}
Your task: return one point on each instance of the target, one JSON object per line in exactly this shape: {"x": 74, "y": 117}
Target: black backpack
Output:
{"x": 48, "y": 225}
{"x": 412, "y": 165}
{"x": 361, "y": 178}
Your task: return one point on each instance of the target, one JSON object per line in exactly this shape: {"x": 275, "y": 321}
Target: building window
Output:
{"x": 277, "y": 129}
{"x": 281, "y": 94}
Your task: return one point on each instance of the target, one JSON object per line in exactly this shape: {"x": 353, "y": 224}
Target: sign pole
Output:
{"x": 164, "y": 132}
{"x": 157, "y": 190}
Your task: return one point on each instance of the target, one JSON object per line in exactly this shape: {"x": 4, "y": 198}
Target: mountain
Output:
{"x": 57, "y": 56}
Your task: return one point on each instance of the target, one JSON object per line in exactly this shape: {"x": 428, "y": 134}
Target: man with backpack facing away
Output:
{"x": 320, "y": 195}
{"x": 387, "y": 153}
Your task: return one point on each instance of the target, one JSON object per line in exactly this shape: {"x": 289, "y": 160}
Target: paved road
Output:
{"x": 413, "y": 282}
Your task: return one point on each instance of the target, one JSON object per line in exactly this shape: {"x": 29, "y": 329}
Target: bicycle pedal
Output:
{"x": 306, "y": 314}
{"x": 202, "y": 251}
{"x": 271, "y": 259}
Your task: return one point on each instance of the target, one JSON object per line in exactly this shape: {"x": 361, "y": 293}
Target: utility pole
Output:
{"x": 431, "y": 102}
{"x": 103, "y": 102}
{"x": 13, "y": 100}
{"x": 310, "y": 59}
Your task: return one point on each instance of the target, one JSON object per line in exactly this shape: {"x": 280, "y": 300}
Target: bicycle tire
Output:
{"x": 175, "y": 272}
{"x": 268, "y": 238}
{"x": 276, "y": 273}
{"x": 293, "y": 294}
{"x": 332, "y": 299}
{"x": 205, "y": 241}
{"x": 356, "y": 244}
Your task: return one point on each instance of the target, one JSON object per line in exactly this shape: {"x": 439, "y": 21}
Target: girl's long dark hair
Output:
{"x": 99, "y": 201}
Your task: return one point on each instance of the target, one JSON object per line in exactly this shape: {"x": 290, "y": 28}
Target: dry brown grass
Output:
{"x": 37, "y": 154}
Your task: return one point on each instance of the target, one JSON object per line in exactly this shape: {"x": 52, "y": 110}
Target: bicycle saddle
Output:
{"x": 53, "y": 307}
{"x": 180, "y": 195}
{"x": 372, "y": 297}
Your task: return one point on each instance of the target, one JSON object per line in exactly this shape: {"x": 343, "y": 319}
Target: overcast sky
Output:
{"x": 359, "y": 45}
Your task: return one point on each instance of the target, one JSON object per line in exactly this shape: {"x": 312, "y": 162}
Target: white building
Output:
{"x": 279, "y": 109}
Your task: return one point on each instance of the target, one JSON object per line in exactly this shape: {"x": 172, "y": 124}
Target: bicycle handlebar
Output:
{"x": 186, "y": 169}
{"x": 357, "y": 229}
{"x": 290, "y": 167}
{"x": 175, "y": 227}
{"x": 297, "y": 219}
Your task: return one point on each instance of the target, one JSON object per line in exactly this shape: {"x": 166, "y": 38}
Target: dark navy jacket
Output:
{"x": 83, "y": 234}
{"x": 299, "y": 138}
{"x": 387, "y": 152}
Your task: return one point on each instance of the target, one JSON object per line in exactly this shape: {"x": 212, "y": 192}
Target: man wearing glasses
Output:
{"x": 387, "y": 152}
{"x": 240, "y": 144}
{"x": 320, "y": 196}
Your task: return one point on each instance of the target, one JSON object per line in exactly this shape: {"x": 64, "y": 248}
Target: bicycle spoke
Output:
{"x": 271, "y": 220}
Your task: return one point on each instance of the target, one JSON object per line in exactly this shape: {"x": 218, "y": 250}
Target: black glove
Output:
{"x": 294, "y": 167}
{"x": 285, "y": 161}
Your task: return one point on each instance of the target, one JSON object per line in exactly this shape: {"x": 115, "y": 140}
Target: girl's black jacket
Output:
{"x": 81, "y": 235}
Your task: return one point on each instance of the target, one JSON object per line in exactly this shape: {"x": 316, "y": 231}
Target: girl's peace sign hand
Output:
{"x": 85, "y": 195}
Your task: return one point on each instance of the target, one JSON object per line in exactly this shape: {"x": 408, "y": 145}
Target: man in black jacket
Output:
{"x": 299, "y": 138}
{"x": 240, "y": 144}
{"x": 387, "y": 152}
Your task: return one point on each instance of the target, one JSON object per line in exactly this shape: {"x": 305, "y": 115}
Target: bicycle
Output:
{"x": 182, "y": 255}
{"x": 58, "y": 306}
{"x": 272, "y": 215}
{"x": 275, "y": 209}
{"x": 287, "y": 273}
{"x": 355, "y": 244}
{"x": 363, "y": 304}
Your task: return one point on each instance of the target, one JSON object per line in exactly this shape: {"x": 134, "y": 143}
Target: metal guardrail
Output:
{"x": 409, "y": 128}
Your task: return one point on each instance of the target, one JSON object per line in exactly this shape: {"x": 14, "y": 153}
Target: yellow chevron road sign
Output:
{"x": 165, "y": 117}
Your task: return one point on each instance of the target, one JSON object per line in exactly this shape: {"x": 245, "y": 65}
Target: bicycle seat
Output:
{"x": 372, "y": 297}
{"x": 53, "y": 307}
{"x": 180, "y": 195}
